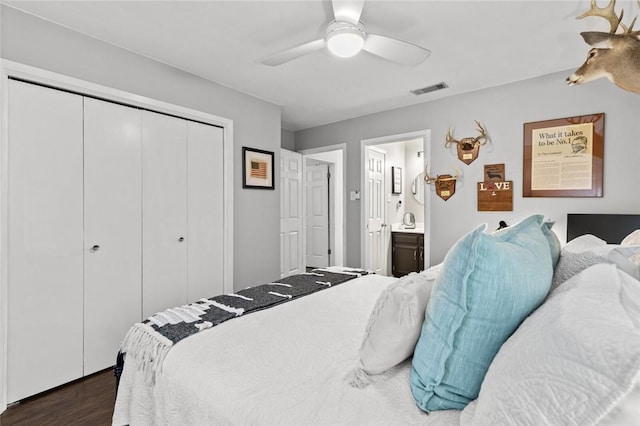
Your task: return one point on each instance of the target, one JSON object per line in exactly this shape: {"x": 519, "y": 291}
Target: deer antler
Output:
{"x": 483, "y": 134}
{"x": 630, "y": 29}
{"x": 430, "y": 179}
{"x": 608, "y": 12}
{"x": 480, "y": 140}
{"x": 450, "y": 139}
{"x": 457, "y": 175}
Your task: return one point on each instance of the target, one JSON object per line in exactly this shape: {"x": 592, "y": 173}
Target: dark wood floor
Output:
{"x": 88, "y": 401}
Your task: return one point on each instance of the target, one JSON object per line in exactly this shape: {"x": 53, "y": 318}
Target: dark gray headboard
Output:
{"x": 610, "y": 227}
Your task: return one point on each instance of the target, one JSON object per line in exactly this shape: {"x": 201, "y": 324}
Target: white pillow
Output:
{"x": 585, "y": 241}
{"x": 623, "y": 257}
{"x": 633, "y": 239}
{"x": 588, "y": 250}
{"x": 394, "y": 326}
{"x": 573, "y": 361}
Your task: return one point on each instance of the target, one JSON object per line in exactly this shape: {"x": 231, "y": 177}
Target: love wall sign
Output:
{"x": 495, "y": 193}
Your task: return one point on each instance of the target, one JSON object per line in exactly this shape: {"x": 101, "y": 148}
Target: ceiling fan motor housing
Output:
{"x": 345, "y": 39}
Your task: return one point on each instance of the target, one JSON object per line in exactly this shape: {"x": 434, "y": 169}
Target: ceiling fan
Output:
{"x": 346, "y": 36}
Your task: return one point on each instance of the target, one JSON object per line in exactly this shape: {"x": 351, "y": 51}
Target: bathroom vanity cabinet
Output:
{"x": 407, "y": 253}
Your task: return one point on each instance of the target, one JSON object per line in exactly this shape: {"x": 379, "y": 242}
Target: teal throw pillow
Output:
{"x": 488, "y": 284}
{"x": 554, "y": 243}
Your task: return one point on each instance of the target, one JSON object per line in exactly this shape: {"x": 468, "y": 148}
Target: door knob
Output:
{"x": 95, "y": 248}
{"x": 181, "y": 239}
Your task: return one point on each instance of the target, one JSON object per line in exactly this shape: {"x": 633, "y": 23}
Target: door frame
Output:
{"x": 339, "y": 225}
{"x": 10, "y": 69}
{"x": 425, "y": 135}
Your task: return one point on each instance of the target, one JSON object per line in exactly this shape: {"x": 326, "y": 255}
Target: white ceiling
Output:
{"x": 474, "y": 44}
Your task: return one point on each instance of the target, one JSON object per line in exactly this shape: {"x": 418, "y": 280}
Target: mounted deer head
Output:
{"x": 468, "y": 147}
{"x": 615, "y": 55}
{"x": 445, "y": 184}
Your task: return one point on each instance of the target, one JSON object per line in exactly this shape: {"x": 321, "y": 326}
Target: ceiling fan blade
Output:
{"x": 294, "y": 52}
{"x": 394, "y": 50}
{"x": 348, "y": 10}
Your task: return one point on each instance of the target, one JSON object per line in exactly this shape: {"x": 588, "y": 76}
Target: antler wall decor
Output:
{"x": 615, "y": 55}
{"x": 445, "y": 184}
{"x": 468, "y": 148}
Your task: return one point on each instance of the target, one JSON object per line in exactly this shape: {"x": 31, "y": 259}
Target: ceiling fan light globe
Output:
{"x": 345, "y": 42}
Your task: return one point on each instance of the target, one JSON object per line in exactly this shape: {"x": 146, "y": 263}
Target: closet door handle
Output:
{"x": 181, "y": 239}
{"x": 95, "y": 248}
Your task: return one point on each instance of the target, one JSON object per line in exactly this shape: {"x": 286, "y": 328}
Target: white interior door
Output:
{"x": 205, "y": 211}
{"x": 375, "y": 212}
{"x": 291, "y": 248}
{"x": 44, "y": 263}
{"x": 113, "y": 228}
{"x": 164, "y": 212}
{"x": 317, "y": 225}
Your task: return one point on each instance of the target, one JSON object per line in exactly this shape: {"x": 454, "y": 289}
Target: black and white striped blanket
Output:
{"x": 147, "y": 343}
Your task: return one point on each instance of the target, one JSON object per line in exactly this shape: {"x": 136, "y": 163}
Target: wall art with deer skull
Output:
{"x": 615, "y": 55}
{"x": 445, "y": 184}
{"x": 468, "y": 148}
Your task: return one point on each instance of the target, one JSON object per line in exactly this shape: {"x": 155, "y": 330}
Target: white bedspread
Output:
{"x": 287, "y": 365}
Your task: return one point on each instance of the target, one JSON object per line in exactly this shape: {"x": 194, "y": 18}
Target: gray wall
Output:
{"x": 39, "y": 43}
{"x": 287, "y": 140}
{"x": 502, "y": 110}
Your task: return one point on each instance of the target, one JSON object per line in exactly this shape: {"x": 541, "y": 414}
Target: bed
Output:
{"x": 307, "y": 348}
{"x": 294, "y": 364}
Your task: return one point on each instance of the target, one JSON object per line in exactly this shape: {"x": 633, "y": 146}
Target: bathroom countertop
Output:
{"x": 399, "y": 227}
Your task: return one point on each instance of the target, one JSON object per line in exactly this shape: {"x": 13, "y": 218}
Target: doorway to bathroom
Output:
{"x": 324, "y": 205}
{"x": 394, "y": 197}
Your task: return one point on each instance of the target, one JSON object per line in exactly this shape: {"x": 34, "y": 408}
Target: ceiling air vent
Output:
{"x": 428, "y": 89}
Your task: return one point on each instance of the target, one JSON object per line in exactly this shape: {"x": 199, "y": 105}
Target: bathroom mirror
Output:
{"x": 417, "y": 188}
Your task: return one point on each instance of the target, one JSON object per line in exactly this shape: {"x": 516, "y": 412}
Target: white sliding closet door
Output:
{"x": 44, "y": 239}
{"x": 205, "y": 210}
{"x": 164, "y": 212}
{"x": 112, "y": 217}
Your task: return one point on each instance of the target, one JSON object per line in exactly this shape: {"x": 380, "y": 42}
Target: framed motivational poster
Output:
{"x": 563, "y": 157}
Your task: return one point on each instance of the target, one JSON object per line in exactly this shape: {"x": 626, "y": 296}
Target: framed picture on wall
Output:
{"x": 563, "y": 157}
{"x": 257, "y": 168}
{"x": 396, "y": 180}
